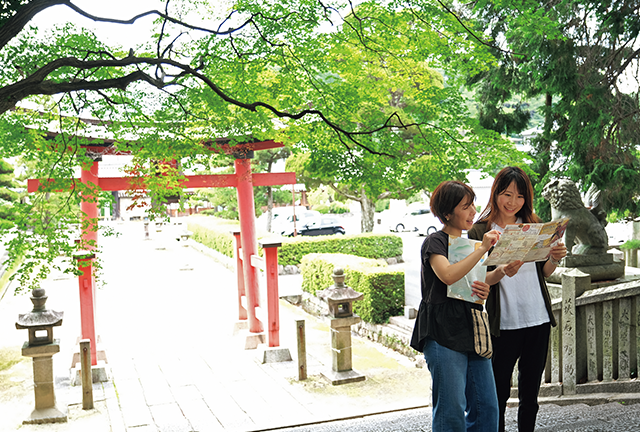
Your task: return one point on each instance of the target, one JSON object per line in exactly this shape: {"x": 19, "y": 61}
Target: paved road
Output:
{"x": 165, "y": 316}
{"x": 612, "y": 417}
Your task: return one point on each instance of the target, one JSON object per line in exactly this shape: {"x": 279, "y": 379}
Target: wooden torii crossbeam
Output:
{"x": 243, "y": 180}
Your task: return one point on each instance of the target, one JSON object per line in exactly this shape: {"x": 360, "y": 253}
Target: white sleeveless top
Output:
{"x": 521, "y": 301}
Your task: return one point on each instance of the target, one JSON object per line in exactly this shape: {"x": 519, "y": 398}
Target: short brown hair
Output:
{"x": 447, "y": 196}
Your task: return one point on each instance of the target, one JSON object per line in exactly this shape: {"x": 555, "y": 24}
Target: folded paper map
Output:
{"x": 527, "y": 242}
{"x": 459, "y": 249}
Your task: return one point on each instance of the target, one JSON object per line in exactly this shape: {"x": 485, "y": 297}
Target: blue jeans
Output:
{"x": 463, "y": 390}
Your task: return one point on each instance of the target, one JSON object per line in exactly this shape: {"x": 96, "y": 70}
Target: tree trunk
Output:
{"x": 368, "y": 210}
{"x": 269, "y": 207}
{"x": 545, "y": 148}
{"x": 542, "y": 161}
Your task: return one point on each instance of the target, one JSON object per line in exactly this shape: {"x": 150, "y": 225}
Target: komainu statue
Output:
{"x": 585, "y": 233}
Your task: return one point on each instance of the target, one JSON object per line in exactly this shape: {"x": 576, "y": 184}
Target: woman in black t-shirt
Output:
{"x": 463, "y": 388}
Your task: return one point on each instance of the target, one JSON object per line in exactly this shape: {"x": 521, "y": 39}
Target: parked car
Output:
{"x": 283, "y": 224}
{"x": 318, "y": 226}
{"x": 419, "y": 220}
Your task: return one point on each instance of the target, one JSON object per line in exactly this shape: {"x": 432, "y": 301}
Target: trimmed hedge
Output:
{"x": 317, "y": 269}
{"x": 333, "y": 208}
{"x": 383, "y": 288}
{"x": 215, "y": 234}
{"x": 363, "y": 245}
{"x": 220, "y": 240}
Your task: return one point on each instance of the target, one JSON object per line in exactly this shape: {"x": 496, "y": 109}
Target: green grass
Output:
{"x": 9, "y": 357}
{"x": 4, "y": 280}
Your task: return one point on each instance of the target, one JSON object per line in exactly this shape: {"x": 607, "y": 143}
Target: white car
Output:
{"x": 419, "y": 220}
{"x": 282, "y": 217}
{"x": 317, "y": 226}
{"x": 285, "y": 228}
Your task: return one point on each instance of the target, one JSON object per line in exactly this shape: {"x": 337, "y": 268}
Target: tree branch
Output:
{"x": 163, "y": 15}
{"x": 344, "y": 194}
{"x": 36, "y": 84}
{"x": 387, "y": 194}
{"x": 16, "y": 23}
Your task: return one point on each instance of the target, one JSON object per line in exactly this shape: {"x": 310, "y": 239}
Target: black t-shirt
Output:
{"x": 443, "y": 319}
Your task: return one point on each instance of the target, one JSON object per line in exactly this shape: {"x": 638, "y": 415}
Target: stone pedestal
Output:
{"x": 273, "y": 354}
{"x": 342, "y": 372}
{"x": 598, "y": 266}
{"x": 99, "y": 372}
{"x": 251, "y": 340}
{"x": 46, "y": 410}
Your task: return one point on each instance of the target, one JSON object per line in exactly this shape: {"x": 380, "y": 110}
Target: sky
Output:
{"x": 130, "y": 36}
{"x": 124, "y": 35}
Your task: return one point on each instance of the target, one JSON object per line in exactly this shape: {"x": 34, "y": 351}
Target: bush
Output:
{"x": 631, "y": 244}
{"x": 317, "y": 269}
{"x": 382, "y": 205}
{"x": 322, "y": 208}
{"x": 220, "y": 240}
{"x": 383, "y": 289}
{"x": 333, "y": 208}
{"x": 338, "y": 208}
{"x": 228, "y": 214}
{"x": 617, "y": 216}
{"x": 223, "y": 214}
{"x": 362, "y": 245}
{"x": 214, "y": 233}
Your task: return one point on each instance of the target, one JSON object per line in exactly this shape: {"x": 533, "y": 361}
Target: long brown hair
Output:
{"x": 502, "y": 181}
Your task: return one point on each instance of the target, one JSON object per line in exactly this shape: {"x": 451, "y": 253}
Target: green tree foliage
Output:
{"x": 369, "y": 95}
{"x": 223, "y": 200}
{"x": 7, "y": 195}
{"x": 45, "y": 226}
{"x": 432, "y": 137}
{"x": 574, "y": 54}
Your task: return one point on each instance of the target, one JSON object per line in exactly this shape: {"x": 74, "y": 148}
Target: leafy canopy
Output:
{"x": 576, "y": 55}
{"x": 369, "y": 94}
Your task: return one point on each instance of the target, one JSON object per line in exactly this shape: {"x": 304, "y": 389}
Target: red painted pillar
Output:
{"x": 273, "y": 299}
{"x": 242, "y": 312}
{"x": 246, "y": 210}
{"x": 87, "y": 311}
{"x": 89, "y": 207}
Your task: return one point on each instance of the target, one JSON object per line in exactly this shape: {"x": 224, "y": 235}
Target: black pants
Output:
{"x": 530, "y": 345}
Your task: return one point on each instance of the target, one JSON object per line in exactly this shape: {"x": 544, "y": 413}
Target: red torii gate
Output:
{"x": 243, "y": 180}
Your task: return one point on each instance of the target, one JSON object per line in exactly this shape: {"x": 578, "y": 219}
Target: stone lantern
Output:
{"x": 41, "y": 346}
{"x": 340, "y": 299}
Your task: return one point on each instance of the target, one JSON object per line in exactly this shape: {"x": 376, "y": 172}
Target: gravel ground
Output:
{"x": 611, "y": 417}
